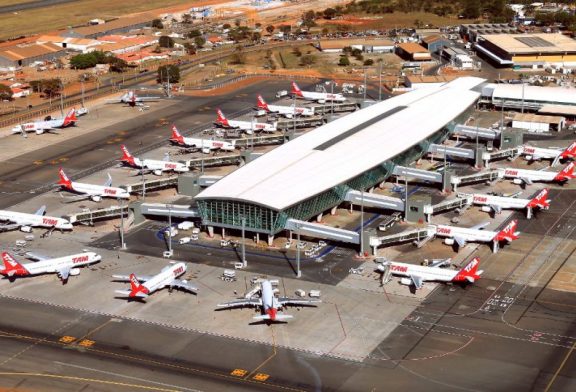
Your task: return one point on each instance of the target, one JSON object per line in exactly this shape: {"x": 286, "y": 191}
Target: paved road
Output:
{"x": 32, "y": 5}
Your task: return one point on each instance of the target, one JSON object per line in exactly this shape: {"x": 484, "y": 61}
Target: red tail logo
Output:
{"x": 541, "y": 200}
{"x": 64, "y": 180}
{"x": 566, "y": 174}
{"x": 126, "y": 156}
{"x": 570, "y": 152}
{"x": 271, "y": 313}
{"x": 136, "y": 287}
{"x": 176, "y": 137}
{"x": 262, "y": 104}
{"x": 509, "y": 233}
{"x": 469, "y": 272}
{"x": 70, "y": 117}
{"x": 296, "y": 90}
{"x": 11, "y": 266}
{"x": 221, "y": 118}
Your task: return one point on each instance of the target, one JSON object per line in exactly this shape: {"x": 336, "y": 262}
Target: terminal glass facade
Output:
{"x": 261, "y": 219}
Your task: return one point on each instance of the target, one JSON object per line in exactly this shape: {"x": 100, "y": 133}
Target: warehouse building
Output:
{"x": 12, "y": 57}
{"x": 413, "y": 52}
{"x": 116, "y": 26}
{"x": 533, "y": 50}
{"x": 366, "y": 46}
{"x": 537, "y": 123}
{"x": 435, "y": 43}
{"x": 552, "y": 100}
{"x": 313, "y": 173}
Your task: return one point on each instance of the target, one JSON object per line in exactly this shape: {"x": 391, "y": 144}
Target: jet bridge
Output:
{"x": 299, "y": 122}
{"x": 88, "y": 216}
{"x": 317, "y": 230}
{"x": 439, "y": 149}
{"x": 417, "y": 173}
{"x": 490, "y": 175}
{"x": 473, "y": 132}
{"x": 174, "y": 210}
{"x": 513, "y": 152}
{"x": 152, "y": 185}
{"x": 218, "y": 160}
{"x": 336, "y": 108}
{"x": 463, "y": 202}
{"x": 420, "y": 236}
{"x": 375, "y": 200}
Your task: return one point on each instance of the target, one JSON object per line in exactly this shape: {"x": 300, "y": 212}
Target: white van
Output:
{"x": 184, "y": 240}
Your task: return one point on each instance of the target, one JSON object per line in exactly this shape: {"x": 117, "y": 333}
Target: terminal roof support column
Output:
{"x": 210, "y": 231}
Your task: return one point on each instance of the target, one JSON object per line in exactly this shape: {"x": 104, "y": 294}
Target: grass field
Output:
{"x": 12, "y": 2}
{"x": 76, "y": 13}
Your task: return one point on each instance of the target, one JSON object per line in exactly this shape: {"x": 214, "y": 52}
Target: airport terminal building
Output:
{"x": 313, "y": 173}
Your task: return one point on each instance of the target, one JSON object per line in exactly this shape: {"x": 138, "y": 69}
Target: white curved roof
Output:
{"x": 561, "y": 95}
{"x": 338, "y": 151}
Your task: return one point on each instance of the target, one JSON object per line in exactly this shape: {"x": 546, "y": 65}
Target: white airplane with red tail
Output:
{"x": 47, "y": 125}
{"x": 203, "y": 145}
{"x": 132, "y": 99}
{"x": 91, "y": 191}
{"x": 247, "y": 126}
{"x": 63, "y": 266}
{"x": 25, "y": 222}
{"x": 315, "y": 96}
{"x": 286, "y": 111}
{"x": 523, "y": 176}
{"x": 463, "y": 235}
{"x": 151, "y": 165}
{"x": 555, "y": 155}
{"x": 496, "y": 204}
{"x": 416, "y": 275}
{"x": 142, "y": 286}
{"x": 268, "y": 302}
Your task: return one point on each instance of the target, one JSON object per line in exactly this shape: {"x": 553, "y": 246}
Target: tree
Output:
{"x": 226, "y": 26}
{"x": 344, "y": 61}
{"x": 171, "y": 72}
{"x": 157, "y": 24}
{"x": 190, "y": 49}
{"x": 286, "y": 29}
{"x": 166, "y": 42}
{"x": 186, "y": 18}
{"x": 194, "y": 33}
{"x": 237, "y": 22}
{"x": 329, "y": 13}
{"x": 238, "y": 57}
{"x": 199, "y": 42}
{"x": 368, "y": 62}
{"x": 269, "y": 29}
{"x": 117, "y": 65}
{"x": 83, "y": 61}
{"x": 297, "y": 52}
{"x": 5, "y": 93}
{"x": 50, "y": 87}
{"x": 325, "y": 31}
{"x": 256, "y": 36}
{"x": 307, "y": 60}
{"x": 471, "y": 9}
{"x": 258, "y": 25}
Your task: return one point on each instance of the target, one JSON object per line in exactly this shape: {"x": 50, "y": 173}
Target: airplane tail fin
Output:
{"x": 221, "y": 119}
{"x": 541, "y": 200}
{"x": 567, "y": 173}
{"x": 64, "y": 180}
{"x": 176, "y": 136}
{"x": 70, "y": 117}
{"x": 509, "y": 233}
{"x": 136, "y": 288}
{"x": 570, "y": 152}
{"x": 469, "y": 272}
{"x": 11, "y": 266}
{"x": 272, "y": 315}
{"x": 296, "y": 90}
{"x": 262, "y": 103}
{"x": 126, "y": 156}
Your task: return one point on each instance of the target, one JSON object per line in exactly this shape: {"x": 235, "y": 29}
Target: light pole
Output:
{"x": 362, "y": 224}
{"x": 143, "y": 182}
{"x": 169, "y": 228}
{"x": 122, "y": 243}
{"x": 298, "y": 271}
{"x": 244, "y": 261}
{"x": 365, "y": 83}
{"x": 380, "y": 82}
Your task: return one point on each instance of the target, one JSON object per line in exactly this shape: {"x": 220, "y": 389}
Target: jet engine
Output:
{"x": 517, "y": 181}
{"x": 75, "y": 272}
{"x": 96, "y": 198}
{"x": 406, "y": 281}
{"x": 26, "y": 229}
{"x": 449, "y": 241}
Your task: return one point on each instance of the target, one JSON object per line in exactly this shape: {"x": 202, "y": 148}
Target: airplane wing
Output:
{"x": 74, "y": 199}
{"x": 526, "y": 180}
{"x": 41, "y": 211}
{"x": 11, "y": 226}
{"x": 496, "y": 208}
{"x": 241, "y": 302}
{"x": 126, "y": 293}
{"x": 108, "y": 181}
{"x": 297, "y": 302}
{"x": 417, "y": 281}
{"x": 126, "y": 278}
{"x": 64, "y": 273}
{"x": 480, "y": 226}
{"x": 147, "y": 99}
{"x": 36, "y": 256}
{"x": 183, "y": 285}
{"x": 461, "y": 241}
{"x": 556, "y": 160}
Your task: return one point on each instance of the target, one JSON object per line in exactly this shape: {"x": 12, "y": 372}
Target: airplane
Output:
{"x": 47, "y": 125}
{"x": 286, "y": 111}
{"x": 498, "y": 203}
{"x": 25, "y": 222}
{"x": 462, "y": 235}
{"x": 314, "y": 96}
{"x": 556, "y": 155}
{"x": 63, "y": 266}
{"x": 132, "y": 99}
{"x": 143, "y": 286}
{"x": 151, "y": 165}
{"x": 416, "y": 275}
{"x": 269, "y": 303}
{"x": 90, "y": 191}
{"x": 204, "y": 145}
{"x": 247, "y": 126}
{"x": 523, "y": 176}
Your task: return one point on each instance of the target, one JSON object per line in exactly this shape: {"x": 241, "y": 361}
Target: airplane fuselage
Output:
{"x": 165, "y": 277}
{"x": 532, "y": 175}
{"x": 54, "y": 265}
{"x": 101, "y": 191}
{"x": 502, "y": 202}
{"x": 426, "y": 273}
{"x": 469, "y": 235}
{"x": 34, "y": 220}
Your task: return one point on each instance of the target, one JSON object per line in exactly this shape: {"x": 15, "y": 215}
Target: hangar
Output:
{"x": 314, "y": 172}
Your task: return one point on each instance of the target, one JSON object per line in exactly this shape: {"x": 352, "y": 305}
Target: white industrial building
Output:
{"x": 555, "y": 100}
{"x": 537, "y": 123}
{"x": 313, "y": 173}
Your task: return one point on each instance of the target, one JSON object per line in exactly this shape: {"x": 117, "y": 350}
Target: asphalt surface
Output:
{"x": 32, "y": 5}
{"x": 86, "y": 154}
